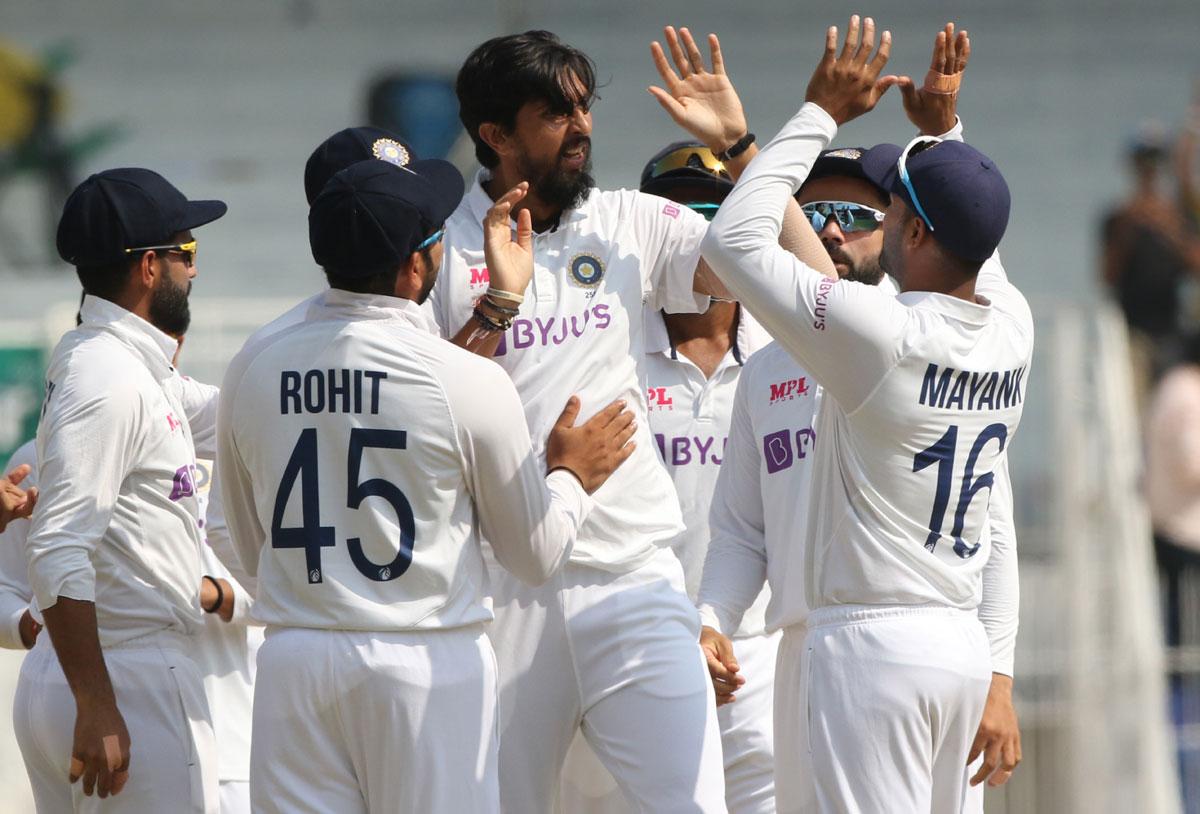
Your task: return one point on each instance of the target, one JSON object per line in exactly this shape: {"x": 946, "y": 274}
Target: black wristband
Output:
{"x": 737, "y": 148}
{"x": 220, "y": 596}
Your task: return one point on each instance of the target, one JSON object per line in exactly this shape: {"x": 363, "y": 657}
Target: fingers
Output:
{"x": 624, "y": 452}
{"x": 908, "y": 90}
{"x": 884, "y": 52}
{"x": 714, "y": 49}
{"x": 605, "y": 417}
{"x": 963, "y": 52}
{"x": 620, "y": 422}
{"x": 991, "y": 761}
{"x": 18, "y": 474}
{"x": 525, "y": 230}
{"x": 669, "y": 104}
{"x": 850, "y": 47}
{"x": 664, "y": 68}
{"x": 694, "y": 56}
{"x": 868, "y": 41}
{"x": 977, "y": 746}
{"x": 1010, "y": 756}
{"x": 624, "y": 435}
{"x": 885, "y": 82}
{"x": 566, "y": 419}
{"x": 76, "y": 770}
{"x": 681, "y": 61}
{"x": 831, "y": 35}
{"x": 937, "y": 62}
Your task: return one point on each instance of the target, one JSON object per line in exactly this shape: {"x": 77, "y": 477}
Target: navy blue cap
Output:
{"x": 349, "y": 146}
{"x": 123, "y": 209}
{"x": 961, "y": 191}
{"x": 372, "y": 215}
{"x": 848, "y": 162}
{"x": 696, "y": 177}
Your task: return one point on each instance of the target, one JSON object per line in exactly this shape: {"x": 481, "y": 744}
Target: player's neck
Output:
{"x": 704, "y": 338}
{"x": 543, "y": 215}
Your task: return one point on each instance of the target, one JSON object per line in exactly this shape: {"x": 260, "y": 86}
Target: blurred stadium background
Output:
{"x": 228, "y": 98}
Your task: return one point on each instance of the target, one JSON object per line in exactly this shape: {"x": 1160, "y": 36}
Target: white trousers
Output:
{"x": 894, "y": 701}
{"x": 356, "y": 722}
{"x": 746, "y": 746}
{"x": 160, "y": 694}
{"x": 617, "y": 656}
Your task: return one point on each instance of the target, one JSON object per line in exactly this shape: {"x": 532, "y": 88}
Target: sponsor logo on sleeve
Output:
{"x": 671, "y": 210}
{"x": 183, "y": 484}
{"x": 783, "y": 448}
{"x": 788, "y": 389}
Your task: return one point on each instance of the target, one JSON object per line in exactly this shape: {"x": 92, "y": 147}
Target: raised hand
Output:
{"x": 933, "y": 107}
{"x": 847, "y": 85}
{"x": 701, "y": 101}
{"x": 16, "y": 502}
{"x": 509, "y": 261}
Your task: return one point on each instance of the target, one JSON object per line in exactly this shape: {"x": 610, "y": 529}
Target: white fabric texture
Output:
{"x": 444, "y": 465}
{"x": 580, "y": 332}
{"x": 374, "y": 723}
{"x": 617, "y": 655}
{"x": 160, "y": 693}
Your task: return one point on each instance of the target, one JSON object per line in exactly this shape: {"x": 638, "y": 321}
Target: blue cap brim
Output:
{"x": 446, "y": 185}
{"x": 199, "y": 213}
{"x": 879, "y": 165}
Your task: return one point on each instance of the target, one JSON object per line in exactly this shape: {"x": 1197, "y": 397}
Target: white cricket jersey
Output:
{"x": 15, "y": 594}
{"x": 689, "y": 417}
{"x": 117, "y": 518}
{"x": 580, "y": 332}
{"x": 922, "y": 395}
{"x": 361, "y": 458}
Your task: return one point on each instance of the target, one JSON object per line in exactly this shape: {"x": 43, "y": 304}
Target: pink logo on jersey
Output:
{"x": 173, "y": 422}
{"x": 658, "y": 399}
{"x": 671, "y": 210}
{"x": 184, "y": 484}
{"x": 480, "y": 276}
{"x": 789, "y": 389}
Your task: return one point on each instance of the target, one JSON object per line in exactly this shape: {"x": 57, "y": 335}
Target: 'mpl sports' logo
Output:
{"x": 789, "y": 389}
{"x": 657, "y": 399}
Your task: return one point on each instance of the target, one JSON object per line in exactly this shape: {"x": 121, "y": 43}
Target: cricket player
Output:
{"x": 609, "y": 645}
{"x": 692, "y": 368}
{"x": 114, "y": 548}
{"x": 898, "y": 661}
{"x": 376, "y": 685}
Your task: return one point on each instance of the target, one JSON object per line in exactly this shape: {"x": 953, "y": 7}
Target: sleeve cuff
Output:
{"x": 564, "y": 486}
{"x": 955, "y": 133}
{"x": 821, "y": 118}
{"x": 12, "y": 631}
{"x": 711, "y": 617}
{"x": 242, "y": 603}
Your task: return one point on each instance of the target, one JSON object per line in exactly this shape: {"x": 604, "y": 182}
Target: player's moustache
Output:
{"x": 575, "y": 144}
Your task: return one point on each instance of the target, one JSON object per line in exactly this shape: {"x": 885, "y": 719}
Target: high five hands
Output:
{"x": 933, "y": 107}
{"x": 849, "y": 84}
{"x": 701, "y": 101}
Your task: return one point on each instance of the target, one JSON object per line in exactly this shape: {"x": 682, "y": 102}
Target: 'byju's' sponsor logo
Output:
{"x": 184, "y": 484}
{"x": 783, "y": 448}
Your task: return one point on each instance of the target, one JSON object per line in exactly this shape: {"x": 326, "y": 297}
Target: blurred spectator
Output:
{"x": 1173, "y": 474}
{"x": 1149, "y": 248}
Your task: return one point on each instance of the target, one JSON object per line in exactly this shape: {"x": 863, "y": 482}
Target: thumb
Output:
{"x": 669, "y": 103}
{"x": 908, "y": 90}
{"x": 725, "y": 652}
{"x": 525, "y": 231}
{"x": 566, "y": 419}
{"x": 885, "y": 82}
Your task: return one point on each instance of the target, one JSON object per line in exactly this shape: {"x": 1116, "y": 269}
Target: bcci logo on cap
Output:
{"x": 852, "y": 153}
{"x": 391, "y": 151}
{"x": 587, "y": 270}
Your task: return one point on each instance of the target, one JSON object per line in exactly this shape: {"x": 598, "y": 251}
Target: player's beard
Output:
{"x": 557, "y": 187}
{"x": 169, "y": 311}
{"x": 431, "y": 275}
{"x": 868, "y": 270}
{"x": 891, "y": 260}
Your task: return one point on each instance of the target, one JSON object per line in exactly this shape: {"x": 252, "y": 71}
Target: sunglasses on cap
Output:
{"x": 917, "y": 145}
{"x": 850, "y": 217}
{"x": 186, "y": 250}
{"x": 689, "y": 157}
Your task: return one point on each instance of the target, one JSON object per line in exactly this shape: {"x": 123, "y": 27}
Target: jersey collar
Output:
{"x": 972, "y": 313}
{"x": 659, "y": 341}
{"x": 152, "y": 345}
{"x": 373, "y": 306}
{"x": 478, "y": 202}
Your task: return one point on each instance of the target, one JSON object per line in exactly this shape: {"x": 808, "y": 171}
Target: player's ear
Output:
{"x": 145, "y": 271}
{"x": 496, "y": 137}
{"x": 408, "y": 278}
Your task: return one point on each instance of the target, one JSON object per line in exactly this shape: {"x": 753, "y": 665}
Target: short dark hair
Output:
{"x": 506, "y": 72}
{"x": 108, "y": 281}
{"x": 382, "y": 282}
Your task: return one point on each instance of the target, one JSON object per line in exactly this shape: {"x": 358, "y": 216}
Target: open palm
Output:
{"x": 701, "y": 101}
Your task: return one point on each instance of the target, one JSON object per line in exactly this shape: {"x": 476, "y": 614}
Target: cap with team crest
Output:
{"x": 848, "y": 162}
{"x": 350, "y": 146}
{"x": 373, "y": 215}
